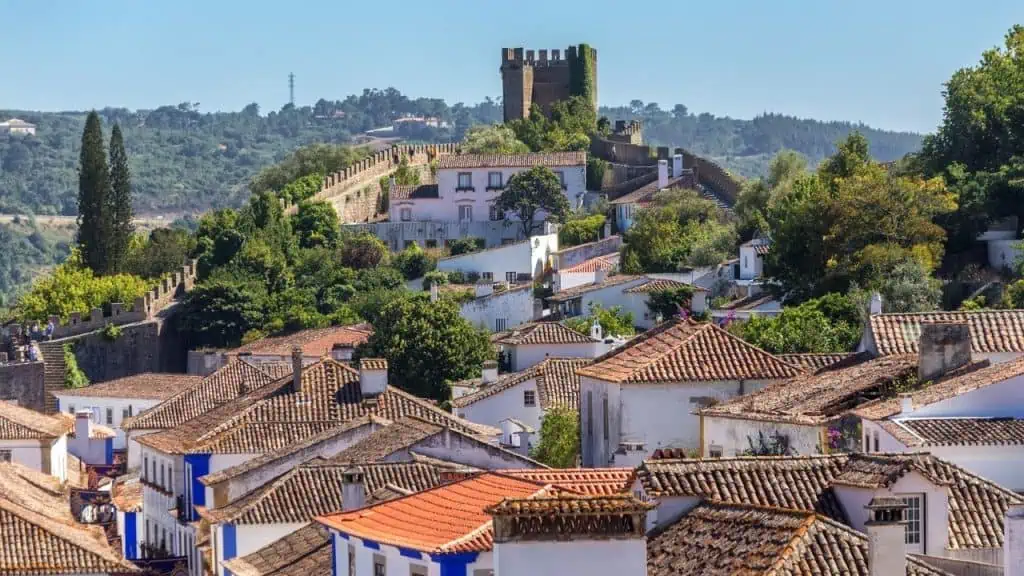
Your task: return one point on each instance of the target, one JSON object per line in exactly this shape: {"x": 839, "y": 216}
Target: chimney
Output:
{"x": 942, "y": 348}
{"x": 677, "y": 165}
{"x": 490, "y": 371}
{"x": 595, "y": 330}
{"x": 1013, "y": 541}
{"x": 630, "y": 454}
{"x": 484, "y": 288}
{"x": 434, "y": 292}
{"x": 391, "y": 183}
{"x": 353, "y": 491}
{"x": 297, "y": 368}
{"x": 373, "y": 377}
{"x": 887, "y": 554}
{"x": 600, "y": 276}
{"x": 906, "y": 404}
{"x": 83, "y": 421}
{"x": 662, "y": 174}
{"x": 876, "y": 303}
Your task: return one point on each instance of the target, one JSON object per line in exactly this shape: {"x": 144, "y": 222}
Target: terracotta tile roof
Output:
{"x": 748, "y": 303}
{"x": 659, "y": 284}
{"x": 275, "y": 415}
{"x": 224, "y": 385}
{"x": 544, "y": 333}
{"x": 963, "y": 431}
{"x": 570, "y": 504}
{"x": 549, "y": 159}
{"x": 38, "y": 534}
{"x": 578, "y": 291}
{"x": 316, "y": 488}
{"x": 314, "y": 342}
{"x": 797, "y": 482}
{"x": 447, "y": 519}
{"x": 761, "y": 246}
{"x": 148, "y": 386}
{"x": 587, "y": 481}
{"x": 384, "y": 442}
{"x": 683, "y": 350}
{"x": 717, "y": 539}
{"x": 558, "y": 385}
{"x": 815, "y": 362}
{"x": 373, "y": 364}
{"x": 819, "y": 397}
{"x": 127, "y": 493}
{"x": 305, "y": 552}
{"x": 415, "y": 192}
{"x": 17, "y": 423}
{"x": 977, "y": 506}
{"x": 645, "y": 193}
{"x": 561, "y": 516}
{"x": 607, "y": 262}
{"x": 991, "y": 330}
{"x": 974, "y": 377}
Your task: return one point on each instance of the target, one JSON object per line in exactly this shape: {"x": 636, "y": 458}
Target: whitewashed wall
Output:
{"x": 577, "y": 556}
{"x": 524, "y": 356}
{"x": 99, "y": 406}
{"x": 732, "y": 434}
{"x": 506, "y": 404}
{"x": 514, "y": 307}
{"x": 28, "y": 453}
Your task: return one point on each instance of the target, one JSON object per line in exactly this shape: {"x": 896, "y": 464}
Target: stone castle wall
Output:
{"x": 22, "y": 382}
{"x": 540, "y": 77}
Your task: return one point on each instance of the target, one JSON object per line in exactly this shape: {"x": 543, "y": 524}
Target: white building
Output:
{"x": 524, "y": 396}
{"x": 752, "y": 255}
{"x": 996, "y": 335}
{"x": 37, "y": 441}
{"x": 468, "y": 185}
{"x": 1002, "y": 244}
{"x": 16, "y": 126}
{"x": 629, "y": 292}
{"x": 496, "y": 307}
{"x": 114, "y": 401}
{"x": 641, "y": 397}
{"x": 90, "y": 442}
{"x": 585, "y": 272}
{"x": 524, "y": 260}
{"x": 529, "y": 344}
{"x": 629, "y": 205}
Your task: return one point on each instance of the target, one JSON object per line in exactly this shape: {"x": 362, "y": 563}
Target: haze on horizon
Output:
{"x": 881, "y": 63}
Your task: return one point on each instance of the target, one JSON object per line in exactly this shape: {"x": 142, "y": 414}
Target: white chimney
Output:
{"x": 600, "y": 276}
{"x": 297, "y": 369}
{"x": 662, "y": 174}
{"x": 490, "y": 372}
{"x": 434, "y": 291}
{"x": 595, "y": 330}
{"x": 83, "y": 421}
{"x": 886, "y": 530}
{"x": 391, "y": 183}
{"x": 677, "y": 165}
{"x": 484, "y": 288}
{"x": 353, "y": 491}
{"x": 1013, "y": 541}
{"x": 373, "y": 377}
{"x": 906, "y": 404}
{"x": 876, "y": 303}
{"x": 630, "y": 454}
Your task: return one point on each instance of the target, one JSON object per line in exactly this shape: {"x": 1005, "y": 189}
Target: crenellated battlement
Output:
{"x": 542, "y": 57}
{"x": 143, "y": 308}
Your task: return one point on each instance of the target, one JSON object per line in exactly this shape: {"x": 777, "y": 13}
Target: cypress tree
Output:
{"x": 119, "y": 203}
{"x": 93, "y": 189}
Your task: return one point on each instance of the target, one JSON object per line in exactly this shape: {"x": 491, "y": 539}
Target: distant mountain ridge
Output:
{"x": 186, "y": 161}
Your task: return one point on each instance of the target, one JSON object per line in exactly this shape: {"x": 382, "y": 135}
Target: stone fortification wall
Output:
{"x": 355, "y": 193}
{"x": 576, "y": 254}
{"x": 22, "y": 382}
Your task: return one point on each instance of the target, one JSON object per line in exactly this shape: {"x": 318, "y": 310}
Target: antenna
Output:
{"x": 291, "y": 88}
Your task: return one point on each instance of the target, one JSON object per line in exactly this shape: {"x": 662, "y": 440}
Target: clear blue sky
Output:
{"x": 877, "y": 61}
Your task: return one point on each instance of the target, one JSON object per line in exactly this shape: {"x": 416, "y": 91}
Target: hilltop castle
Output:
{"x": 530, "y": 77}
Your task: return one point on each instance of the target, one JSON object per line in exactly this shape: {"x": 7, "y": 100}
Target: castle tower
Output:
{"x": 544, "y": 77}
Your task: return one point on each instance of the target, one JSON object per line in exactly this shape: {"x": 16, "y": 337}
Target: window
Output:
{"x": 417, "y": 570}
{"x": 561, "y": 177}
{"x": 876, "y": 441}
{"x": 126, "y": 413}
{"x": 500, "y": 324}
{"x": 145, "y": 467}
{"x": 488, "y": 276}
{"x": 590, "y": 413}
{"x": 351, "y": 560}
{"x": 494, "y": 180}
{"x": 110, "y": 416}
{"x": 465, "y": 213}
{"x": 71, "y": 408}
{"x": 745, "y": 263}
{"x": 915, "y": 512}
{"x": 379, "y": 568}
{"x": 495, "y": 214}
{"x": 431, "y": 243}
{"x": 867, "y": 441}
{"x": 510, "y": 276}
{"x": 405, "y": 214}
{"x": 5, "y": 455}
{"x": 604, "y": 406}
{"x": 715, "y": 451}
{"x": 161, "y": 474}
{"x": 465, "y": 180}
{"x": 529, "y": 397}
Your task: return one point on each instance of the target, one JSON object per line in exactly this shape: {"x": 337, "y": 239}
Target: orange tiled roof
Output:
{"x": 544, "y": 333}
{"x": 305, "y": 552}
{"x": 991, "y": 330}
{"x": 683, "y": 350}
{"x": 550, "y": 159}
{"x": 570, "y": 505}
{"x": 18, "y": 423}
{"x": 414, "y": 192}
{"x": 659, "y": 284}
{"x": 149, "y": 386}
{"x": 586, "y": 481}
{"x": 606, "y": 262}
{"x": 959, "y": 431}
{"x": 814, "y": 362}
{"x": 558, "y": 385}
{"x": 314, "y": 342}
{"x": 446, "y": 519}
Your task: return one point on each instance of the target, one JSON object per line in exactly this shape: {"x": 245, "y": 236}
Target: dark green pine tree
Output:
{"x": 119, "y": 203}
{"x": 93, "y": 189}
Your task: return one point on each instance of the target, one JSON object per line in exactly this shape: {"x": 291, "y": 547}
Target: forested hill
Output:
{"x": 187, "y": 161}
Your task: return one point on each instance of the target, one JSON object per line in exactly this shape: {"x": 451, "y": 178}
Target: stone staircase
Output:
{"x": 711, "y": 195}
{"x": 53, "y": 372}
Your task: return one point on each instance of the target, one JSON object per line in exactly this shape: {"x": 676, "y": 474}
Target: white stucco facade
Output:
{"x": 501, "y": 310}
{"x": 47, "y": 456}
{"x": 632, "y": 302}
{"x": 400, "y": 562}
{"x": 622, "y": 557}
{"x": 509, "y": 403}
{"x": 529, "y": 257}
{"x": 524, "y": 356}
{"x": 107, "y": 411}
{"x": 732, "y": 436}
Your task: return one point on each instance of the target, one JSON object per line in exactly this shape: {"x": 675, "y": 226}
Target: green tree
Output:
{"x": 302, "y": 188}
{"x": 559, "y": 438}
{"x": 414, "y": 262}
{"x": 427, "y": 345}
{"x": 94, "y": 226}
{"x": 74, "y": 288}
{"x": 1015, "y": 294}
{"x": 466, "y": 245}
{"x": 163, "y": 252}
{"x": 492, "y": 140}
{"x": 217, "y": 312}
{"x": 119, "y": 203}
{"x": 74, "y": 377}
{"x": 364, "y": 251}
{"x": 755, "y": 195}
{"x": 907, "y": 287}
{"x": 586, "y": 228}
{"x": 532, "y": 192}
{"x": 806, "y": 328}
{"x": 614, "y": 321}
{"x": 669, "y": 301}
{"x": 316, "y": 224}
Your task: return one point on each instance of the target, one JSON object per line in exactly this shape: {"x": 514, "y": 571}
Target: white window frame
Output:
{"x": 915, "y": 522}
{"x": 500, "y": 324}
{"x": 496, "y": 214}
{"x": 488, "y": 276}
{"x": 466, "y": 213}
{"x": 511, "y": 276}
{"x": 405, "y": 214}
{"x": 491, "y": 180}
{"x": 6, "y": 455}
{"x": 465, "y": 180}
{"x": 529, "y": 398}
{"x": 110, "y": 416}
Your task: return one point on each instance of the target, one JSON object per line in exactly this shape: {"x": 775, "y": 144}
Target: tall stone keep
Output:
{"x": 543, "y": 77}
